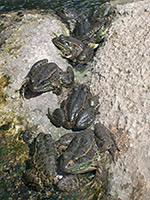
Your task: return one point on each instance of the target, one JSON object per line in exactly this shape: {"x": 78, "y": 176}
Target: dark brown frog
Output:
{"x": 100, "y": 23}
{"x": 42, "y": 164}
{"x": 78, "y": 111}
{"x": 45, "y": 76}
{"x": 73, "y": 49}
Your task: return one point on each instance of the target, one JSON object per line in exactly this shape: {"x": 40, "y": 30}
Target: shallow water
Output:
{"x": 8, "y": 5}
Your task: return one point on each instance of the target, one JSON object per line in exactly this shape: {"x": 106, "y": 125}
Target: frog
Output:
{"x": 73, "y": 49}
{"x": 88, "y": 149}
{"x": 44, "y": 76}
{"x": 97, "y": 29}
{"x": 92, "y": 152}
{"x": 77, "y": 111}
{"x": 41, "y": 171}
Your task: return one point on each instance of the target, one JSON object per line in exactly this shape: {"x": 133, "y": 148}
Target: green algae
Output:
{"x": 4, "y": 81}
{"x": 13, "y": 155}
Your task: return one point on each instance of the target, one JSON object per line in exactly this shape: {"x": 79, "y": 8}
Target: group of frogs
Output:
{"x": 88, "y": 33}
{"x": 81, "y": 158}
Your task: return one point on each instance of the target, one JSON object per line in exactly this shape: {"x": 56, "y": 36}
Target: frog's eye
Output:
{"x": 61, "y": 36}
{"x": 82, "y": 57}
{"x": 66, "y": 43}
{"x": 76, "y": 159}
{"x": 70, "y": 163}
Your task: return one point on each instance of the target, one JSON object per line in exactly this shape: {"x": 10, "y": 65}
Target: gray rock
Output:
{"x": 26, "y": 40}
{"x": 121, "y": 77}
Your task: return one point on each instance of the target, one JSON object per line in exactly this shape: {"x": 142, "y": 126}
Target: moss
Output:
{"x": 12, "y": 149}
{"x": 4, "y": 81}
{"x": 3, "y": 192}
{"x": 13, "y": 155}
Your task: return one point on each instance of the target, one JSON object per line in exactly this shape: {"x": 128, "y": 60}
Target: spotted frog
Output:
{"x": 41, "y": 171}
{"x": 73, "y": 49}
{"x": 90, "y": 159}
{"x": 78, "y": 111}
{"x": 44, "y": 76}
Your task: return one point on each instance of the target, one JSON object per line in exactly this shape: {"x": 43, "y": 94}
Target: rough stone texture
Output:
{"x": 27, "y": 39}
{"x": 121, "y": 77}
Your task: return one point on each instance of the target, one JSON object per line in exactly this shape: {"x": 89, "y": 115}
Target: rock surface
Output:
{"x": 28, "y": 40}
{"x": 121, "y": 77}
{"x": 119, "y": 74}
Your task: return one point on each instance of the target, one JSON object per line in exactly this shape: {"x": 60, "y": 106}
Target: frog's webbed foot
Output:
{"x": 57, "y": 117}
{"x": 32, "y": 180}
{"x": 105, "y": 139}
{"x": 24, "y": 87}
{"x": 95, "y": 188}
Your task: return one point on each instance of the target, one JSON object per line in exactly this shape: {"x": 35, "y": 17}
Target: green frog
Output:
{"x": 73, "y": 49}
{"x": 92, "y": 152}
{"x": 78, "y": 111}
{"x": 44, "y": 76}
{"x": 93, "y": 145}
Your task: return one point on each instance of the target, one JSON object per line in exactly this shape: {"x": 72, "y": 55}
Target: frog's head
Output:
{"x": 80, "y": 156}
{"x": 70, "y": 47}
{"x": 78, "y": 165}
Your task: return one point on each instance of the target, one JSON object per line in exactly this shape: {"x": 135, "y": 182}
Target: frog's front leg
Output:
{"x": 67, "y": 77}
{"x": 57, "y": 117}
{"x": 105, "y": 139}
{"x": 37, "y": 65}
{"x": 32, "y": 180}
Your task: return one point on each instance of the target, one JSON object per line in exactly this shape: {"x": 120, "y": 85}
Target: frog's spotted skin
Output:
{"x": 42, "y": 163}
{"x": 71, "y": 162}
{"x": 88, "y": 150}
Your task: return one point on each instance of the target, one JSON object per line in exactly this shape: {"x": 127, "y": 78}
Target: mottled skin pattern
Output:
{"x": 88, "y": 150}
{"x": 42, "y": 169}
